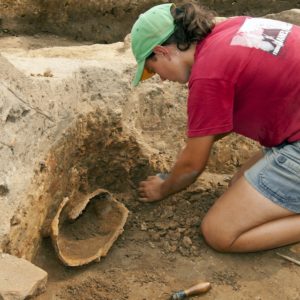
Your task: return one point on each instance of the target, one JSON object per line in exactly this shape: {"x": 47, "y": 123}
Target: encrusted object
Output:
{"x": 86, "y": 232}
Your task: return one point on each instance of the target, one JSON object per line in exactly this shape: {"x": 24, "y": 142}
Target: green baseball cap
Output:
{"x": 152, "y": 28}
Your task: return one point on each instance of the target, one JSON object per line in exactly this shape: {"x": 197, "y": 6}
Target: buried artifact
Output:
{"x": 84, "y": 233}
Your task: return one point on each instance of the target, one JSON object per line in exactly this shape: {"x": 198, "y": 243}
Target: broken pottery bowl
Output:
{"x": 87, "y": 231}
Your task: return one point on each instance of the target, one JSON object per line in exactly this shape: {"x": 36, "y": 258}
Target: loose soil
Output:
{"x": 161, "y": 251}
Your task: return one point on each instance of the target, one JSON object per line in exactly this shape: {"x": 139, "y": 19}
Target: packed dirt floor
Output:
{"x": 161, "y": 249}
{"x": 161, "y": 252}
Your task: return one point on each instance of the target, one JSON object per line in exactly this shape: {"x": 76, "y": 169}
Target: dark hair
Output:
{"x": 192, "y": 24}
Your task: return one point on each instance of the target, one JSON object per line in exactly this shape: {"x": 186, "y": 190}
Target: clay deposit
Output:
{"x": 86, "y": 232}
{"x": 72, "y": 123}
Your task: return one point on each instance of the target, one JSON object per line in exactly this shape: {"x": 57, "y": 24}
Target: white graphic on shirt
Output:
{"x": 267, "y": 35}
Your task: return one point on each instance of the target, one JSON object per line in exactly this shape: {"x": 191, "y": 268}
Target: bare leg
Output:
{"x": 243, "y": 220}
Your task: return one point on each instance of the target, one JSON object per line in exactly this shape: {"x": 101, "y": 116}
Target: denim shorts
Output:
{"x": 277, "y": 175}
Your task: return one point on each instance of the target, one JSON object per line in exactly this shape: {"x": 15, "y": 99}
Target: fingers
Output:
{"x": 141, "y": 199}
{"x": 149, "y": 189}
{"x": 152, "y": 177}
{"x": 141, "y": 189}
{"x": 142, "y": 193}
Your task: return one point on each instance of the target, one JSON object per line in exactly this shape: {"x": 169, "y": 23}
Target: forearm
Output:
{"x": 179, "y": 179}
{"x": 188, "y": 167}
{"x": 190, "y": 164}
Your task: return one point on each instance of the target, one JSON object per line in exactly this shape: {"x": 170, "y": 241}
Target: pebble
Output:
{"x": 161, "y": 225}
{"x": 187, "y": 242}
{"x": 144, "y": 226}
{"x": 174, "y": 235}
{"x": 155, "y": 236}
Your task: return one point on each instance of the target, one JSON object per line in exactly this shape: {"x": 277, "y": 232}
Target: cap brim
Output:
{"x": 141, "y": 73}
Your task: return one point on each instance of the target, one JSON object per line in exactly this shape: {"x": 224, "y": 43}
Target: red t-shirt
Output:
{"x": 246, "y": 79}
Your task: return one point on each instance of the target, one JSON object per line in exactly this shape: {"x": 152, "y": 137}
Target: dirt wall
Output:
{"x": 106, "y": 21}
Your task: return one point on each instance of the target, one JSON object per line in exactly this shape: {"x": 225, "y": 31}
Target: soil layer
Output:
{"x": 161, "y": 251}
{"x": 107, "y": 21}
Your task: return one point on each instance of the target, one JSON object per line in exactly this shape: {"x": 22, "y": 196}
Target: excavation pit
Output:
{"x": 160, "y": 249}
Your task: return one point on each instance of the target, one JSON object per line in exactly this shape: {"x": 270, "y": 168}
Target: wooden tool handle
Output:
{"x": 197, "y": 289}
{"x": 192, "y": 291}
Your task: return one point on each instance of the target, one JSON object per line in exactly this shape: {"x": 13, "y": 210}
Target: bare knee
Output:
{"x": 216, "y": 236}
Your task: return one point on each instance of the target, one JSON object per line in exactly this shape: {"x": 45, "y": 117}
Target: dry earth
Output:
{"x": 107, "y": 21}
{"x": 72, "y": 123}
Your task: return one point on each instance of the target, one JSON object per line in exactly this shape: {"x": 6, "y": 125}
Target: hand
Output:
{"x": 150, "y": 190}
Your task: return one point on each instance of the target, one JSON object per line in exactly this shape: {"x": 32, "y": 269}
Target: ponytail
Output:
{"x": 192, "y": 24}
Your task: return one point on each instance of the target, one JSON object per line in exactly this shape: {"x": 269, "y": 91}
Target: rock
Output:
{"x": 173, "y": 224}
{"x": 195, "y": 221}
{"x": 195, "y": 251}
{"x": 20, "y": 279}
{"x": 173, "y": 248}
{"x": 169, "y": 247}
{"x": 194, "y": 198}
{"x": 174, "y": 235}
{"x": 187, "y": 242}
{"x": 168, "y": 213}
{"x": 162, "y": 233}
{"x": 155, "y": 236}
{"x": 181, "y": 230}
{"x": 4, "y": 190}
{"x": 184, "y": 251}
{"x": 151, "y": 245}
{"x": 161, "y": 225}
{"x": 291, "y": 16}
{"x": 144, "y": 226}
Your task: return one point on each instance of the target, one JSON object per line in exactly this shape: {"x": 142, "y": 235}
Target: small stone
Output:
{"x": 168, "y": 213}
{"x": 195, "y": 251}
{"x": 194, "y": 198}
{"x": 174, "y": 236}
{"x": 173, "y": 248}
{"x": 173, "y": 224}
{"x": 155, "y": 236}
{"x": 161, "y": 225}
{"x": 151, "y": 245}
{"x": 20, "y": 279}
{"x": 15, "y": 220}
{"x": 166, "y": 246}
{"x": 181, "y": 230}
{"x": 162, "y": 232}
{"x": 184, "y": 251}
{"x": 187, "y": 242}
{"x": 174, "y": 243}
{"x": 143, "y": 226}
{"x": 4, "y": 190}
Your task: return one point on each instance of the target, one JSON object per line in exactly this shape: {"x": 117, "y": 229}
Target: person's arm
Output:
{"x": 189, "y": 165}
